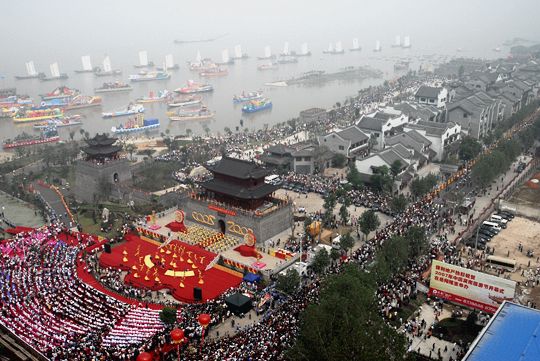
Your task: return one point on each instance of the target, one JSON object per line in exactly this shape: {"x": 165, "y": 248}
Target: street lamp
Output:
{"x": 177, "y": 338}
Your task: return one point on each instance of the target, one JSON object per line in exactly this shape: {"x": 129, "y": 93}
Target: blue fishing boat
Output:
{"x": 257, "y": 105}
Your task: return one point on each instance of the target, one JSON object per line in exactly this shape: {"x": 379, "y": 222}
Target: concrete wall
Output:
{"x": 88, "y": 176}
{"x": 263, "y": 228}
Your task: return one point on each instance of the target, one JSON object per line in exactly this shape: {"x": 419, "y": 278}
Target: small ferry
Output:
{"x": 31, "y": 72}
{"x": 131, "y": 109}
{"x": 161, "y": 96}
{"x": 268, "y": 66}
{"x": 193, "y": 88}
{"x": 34, "y": 115}
{"x": 246, "y": 97}
{"x": 257, "y": 105}
{"x": 49, "y": 135}
{"x": 55, "y": 74}
{"x": 201, "y": 113}
{"x": 214, "y": 72}
{"x": 137, "y": 124}
{"x": 83, "y": 101}
{"x": 114, "y": 87}
{"x": 60, "y": 93}
{"x": 185, "y": 101}
{"x": 69, "y": 121}
{"x": 149, "y": 76}
{"x": 287, "y": 59}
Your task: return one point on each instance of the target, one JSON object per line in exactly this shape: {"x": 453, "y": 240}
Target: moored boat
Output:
{"x": 193, "y": 88}
{"x": 34, "y": 115}
{"x": 131, "y": 109}
{"x": 214, "y": 72}
{"x": 201, "y": 113}
{"x": 257, "y": 105}
{"x": 31, "y": 72}
{"x": 355, "y": 45}
{"x": 113, "y": 88}
{"x": 287, "y": 59}
{"x": 185, "y": 102}
{"x": 149, "y": 76}
{"x": 55, "y": 74}
{"x": 137, "y": 124}
{"x": 161, "y": 96}
{"x": 60, "y": 93}
{"x": 268, "y": 66}
{"x": 143, "y": 60}
{"x": 86, "y": 65}
{"x": 246, "y": 97}
{"x": 107, "y": 69}
{"x": 83, "y": 101}
{"x": 68, "y": 121}
{"x": 49, "y": 135}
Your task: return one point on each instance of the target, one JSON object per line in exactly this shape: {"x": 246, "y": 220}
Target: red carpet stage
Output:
{"x": 179, "y": 267}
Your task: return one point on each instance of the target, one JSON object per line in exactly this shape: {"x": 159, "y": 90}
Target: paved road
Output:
{"x": 54, "y": 201}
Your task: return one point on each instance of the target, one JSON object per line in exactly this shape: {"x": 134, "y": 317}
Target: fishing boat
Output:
{"x": 107, "y": 69}
{"x": 201, "y": 113}
{"x": 304, "y": 50}
{"x": 267, "y": 54}
{"x": 60, "y": 93}
{"x": 198, "y": 64}
{"x": 136, "y": 124}
{"x": 83, "y": 101}
{"x": 114, "y": 87}
{"x": 31, "y": 72}
{"x": 69, "y": 121}
{"x": 268, "y": 66}
{"x": 193, "y": 88}
{"x": 377, "y": 48}
{"x": 246, "y": 97}
{"x": 143, "y": 60}
{"x": 7, "y": 112}
{"x": 257, "y": 105}
{"x": 149, "y": 76}
{"x": 169, "y": 63}
{"x": 286, "y": 51}
{"x": 406, "y": 42}
{"x": 287, "y": 59}
{"x": 49, "y": 135}
{"x": 185, "y": 101}
{"x": 239, "y": 54}
{"x": 55, "y": 74}
{"x": 397, "y": 42}
{"x": 355, "y": 45}
{"x": 214, "y": 72}
{"x": 15, "y": 101}
{"x": 161, "y": 96}
{"x": 34, "y": 115}
{"x": 86, "y": 65}
{"x": 401, "y": 66}
{"x": 225, "y": 58}
{"x": 131, "y": 109}
{"x": 54, "y": 103}
{"x": 338, "y": 49}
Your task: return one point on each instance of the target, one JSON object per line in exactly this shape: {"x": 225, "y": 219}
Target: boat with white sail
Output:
{"x": 267, "y": 54}
{"x": 143, "y": 60}
{"x": 304, "y": 50}
{"x": 131, "y": 109}
{"x": 397, "y": 42}
{"x": 286, "y": 51}
{"x": 338, "y": 49}
{"x": 31, "y": 72}
{"x": 55, "y": 73}
{"x": 377, "y": 48}
{"x": 86, "y": 65}
{"x": 107, "y": 69}
{"x": 406, "y": 42}
{"x": 355, "y": 45}
{"x": 238, "y": 53}
{"x": 225, "y": 58}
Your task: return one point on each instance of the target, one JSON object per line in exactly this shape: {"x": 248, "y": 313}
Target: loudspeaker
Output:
{"x": 107, "y": 247}
{"x": 197, "y": 293}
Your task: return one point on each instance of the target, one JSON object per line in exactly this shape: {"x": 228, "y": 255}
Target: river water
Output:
{"x": 243, "y": 76}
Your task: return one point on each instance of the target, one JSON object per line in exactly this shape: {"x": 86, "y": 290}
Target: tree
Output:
{"x": 353, "y": 177}
{"x": 189, "y": 132}
{"x": 395, "y": 168}
{"x": 130, "y": 148}
{"x": 321, "y": 261}
{"x": 461, "y": 71}
{"x": 71, "y": 135}
{"x": 469, "y": 148}
{"x": 206, "y": 130}
{"x": 380, "y": 180}
{"x": 346, "y": 242}
{"x": 344, "y": 214}
{"x": 368, "y": 222}
{"x": 329, "y": 205}
{"x": 334, "y": 254}
{"x": 339, "y": 160}
{"x": 399, "y": 203}
{"x": 289, "y": 282}
{"x": 417, "y": 240}
{"x": 228, "y": 131}
{"x": 168, "y": 315}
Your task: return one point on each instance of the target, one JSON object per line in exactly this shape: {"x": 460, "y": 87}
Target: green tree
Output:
{"x": 130, "y": 149}
{"x": 353, "y": 177}
{"x": 461, "y": 71}
{"x": 469, "y": 148}
{"x": 339, "y": 160}
{"x": 344, "y": 214}
{"x": 399, "y": 203}
{"x": 346, "y": 242}
{"x": 380, "y": 179}
{"x": 368, "y": 222}
{"x": 206, "y": 130}
{"x": 189, "y": 132}
{"x": 228, "y": 131}
{"x": 329, "y": 205}
{"x": 289, "y": 282}
{"x": 395, "y": 168}
{"x": 334, "y": 254}
{"x": 71, "y": 135}
{"x": 321, "y": 261}
{"x": 418, "y": 242}
{"x": 168, "y": 315}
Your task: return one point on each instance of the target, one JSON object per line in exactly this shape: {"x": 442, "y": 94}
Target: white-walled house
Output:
{"x": 436, "y": 96}
{"x": 382, "y": 124}
{"x": 441, "y": 135}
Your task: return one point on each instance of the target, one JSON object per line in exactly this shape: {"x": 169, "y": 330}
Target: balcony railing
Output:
{"x": 277, "y": 204}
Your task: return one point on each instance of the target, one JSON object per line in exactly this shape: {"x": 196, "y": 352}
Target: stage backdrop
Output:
{"x": 469, "y": 288}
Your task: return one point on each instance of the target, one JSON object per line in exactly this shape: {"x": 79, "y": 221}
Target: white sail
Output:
{"x": 330, "y": 48}
{"x": 267, "y": 51}
{"x": 339, "y": 47}
{"x": 225, "y": 56}
{"x": 169, "y": 61}
{"x": 286, "y": 48}
{"x": 107, "y": 64}
{"x": 304, "y": 49}
{"x": 86, "y": 63}
{"x": 377, "y": 45}
{"x": 398, "y": 41}
{"x": 143, "y": 58}
{"x": 355, "y": 43}
{"x": 55, "y": 71}
{"x": 199, "y": 57}
{"x": 407, "y": 42}
{"x": 30, "y": 68}
{"x": 238, "y": 51}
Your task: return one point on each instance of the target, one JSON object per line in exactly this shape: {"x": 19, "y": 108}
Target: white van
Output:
{"x": 498, "y": 219}
{"x": 336, "y": 242}
{"x": 492, "y": 225}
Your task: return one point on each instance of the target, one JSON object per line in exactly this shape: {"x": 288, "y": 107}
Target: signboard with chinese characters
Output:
{"x": 469, "y": 288}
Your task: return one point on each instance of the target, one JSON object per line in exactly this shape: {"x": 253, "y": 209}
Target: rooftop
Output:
{"x": 370, "y": 123}
{"x": 353, "y": 133}
{"x": 234, "y": 190}
{"x": 428, "y": 92}
{"x": 238, "y": 168}
{"x": 511, "y": 334}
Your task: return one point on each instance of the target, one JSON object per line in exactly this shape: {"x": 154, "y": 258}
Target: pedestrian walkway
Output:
{"x": 54, "y": 201}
